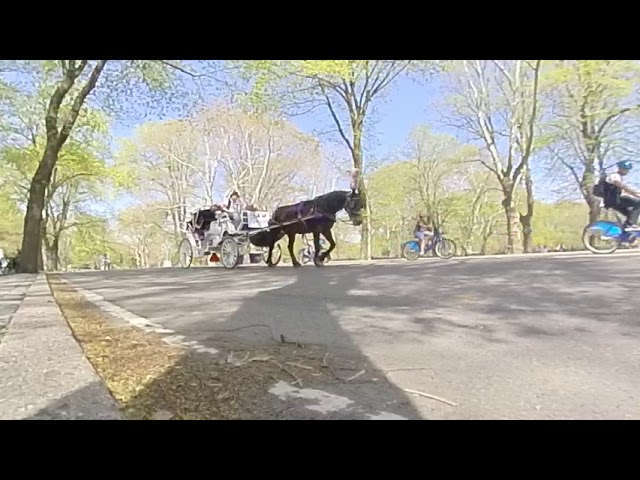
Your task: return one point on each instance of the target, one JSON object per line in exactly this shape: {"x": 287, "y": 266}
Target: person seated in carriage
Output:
{"x": 202, "y": 220}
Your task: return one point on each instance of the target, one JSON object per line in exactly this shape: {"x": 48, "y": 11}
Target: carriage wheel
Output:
{"x": 229, "y": 253}
{"x": 185, "y": 253}
{"x": 276, "y": 256}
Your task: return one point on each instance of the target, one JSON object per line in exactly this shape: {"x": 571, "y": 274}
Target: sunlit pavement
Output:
{"x": 543, "y": 336}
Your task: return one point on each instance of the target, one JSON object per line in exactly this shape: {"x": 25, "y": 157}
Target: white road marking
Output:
{"x": 385, "y": 416}
{"x": 141, "y": 322}
{"x": 325, "y": 402}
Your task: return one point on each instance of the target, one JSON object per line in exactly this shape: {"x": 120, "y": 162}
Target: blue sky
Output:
{"x": 407, "y": 105}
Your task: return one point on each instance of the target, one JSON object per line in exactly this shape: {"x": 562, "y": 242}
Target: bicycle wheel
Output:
{"x": 445, "y": 249}
{"x": 602, "y": 237}
{"x": 411, "y": 250}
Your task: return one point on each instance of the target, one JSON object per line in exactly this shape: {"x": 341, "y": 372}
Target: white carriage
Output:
{"x": 225, "y": 243}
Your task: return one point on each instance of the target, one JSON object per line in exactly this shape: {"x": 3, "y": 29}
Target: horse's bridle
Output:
{"x": 333, "y": 216}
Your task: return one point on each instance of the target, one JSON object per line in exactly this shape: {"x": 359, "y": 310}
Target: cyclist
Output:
{"x": 621, "y": 197}
{"x": 423, "y": 232}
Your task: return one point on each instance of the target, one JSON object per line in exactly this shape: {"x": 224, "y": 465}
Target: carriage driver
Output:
{"x": 234, "y": 208}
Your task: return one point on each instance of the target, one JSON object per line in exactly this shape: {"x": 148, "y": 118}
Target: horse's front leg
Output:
{"x": 292, "y": 239}
{"x": 332, "y": 244}
{"x": 318, "y": 257}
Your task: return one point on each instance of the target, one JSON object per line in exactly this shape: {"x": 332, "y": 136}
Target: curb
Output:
{"x": 44, "y": 374}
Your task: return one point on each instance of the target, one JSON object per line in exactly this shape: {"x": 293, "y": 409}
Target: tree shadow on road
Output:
{"x": 495, "y": 299}
{"x": 274, "y": 371}
{"x": 290, "y": 323}
{"x": 356, "y": 310}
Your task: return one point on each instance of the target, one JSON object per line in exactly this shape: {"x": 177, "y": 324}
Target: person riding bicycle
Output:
{"x": 621, "y": 197}
{"x": 310, "y": 245}
{"x": 423, "y": 231}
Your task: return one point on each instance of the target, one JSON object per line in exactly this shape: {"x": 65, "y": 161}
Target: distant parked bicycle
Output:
{"x": 10, "y": 264}
{"x": 442, "y": 247}
{"x": 306, "y": 254}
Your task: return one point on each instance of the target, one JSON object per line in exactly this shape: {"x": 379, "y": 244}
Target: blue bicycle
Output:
{"x": 442, "y": 247}
{"x": 612, "y": 234}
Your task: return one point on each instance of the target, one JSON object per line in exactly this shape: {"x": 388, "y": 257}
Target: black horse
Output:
{"x": 317, "y": 216}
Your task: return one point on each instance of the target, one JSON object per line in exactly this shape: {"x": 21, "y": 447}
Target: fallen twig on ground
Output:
{"x": 260, "y": 358}
{"x": 326, "y": 364}
{"x": 287, "y": 342}
{"x": 405, "y": 369}
{"x": 299, "y": 365}
{"x": 246, "y": 359}
{"x": 297, "y": 380}
{"x": 433, "y": 397}
{"x": 353, "y": 377}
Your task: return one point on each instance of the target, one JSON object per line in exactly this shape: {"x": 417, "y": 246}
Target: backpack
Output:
{"x": 608, "y": 192}
{"x": 599, "y": 189}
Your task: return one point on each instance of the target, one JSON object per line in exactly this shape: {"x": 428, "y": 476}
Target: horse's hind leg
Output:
{"x": 332, "y": 244}
{"x": 272, "y": 243}
{"x": 292, "y": 239}
{"x": 269, "y": 261}
{"x": 317, "y": 258}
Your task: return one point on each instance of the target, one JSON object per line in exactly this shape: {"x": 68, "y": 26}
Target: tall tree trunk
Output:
{"x": 527, "y": 219}
{"x": 594, "y": 207}
{"x": 53, "y": 256}
{"x": 511, "y": 215}
{"x": 358, "y": 161}
{"x": 586, "y": 186}
{"x": 57, "y": 135}
{"x": 43, "y": 256}
{"x": 369, "y": 252}
{"x": 527, "y": 233}
{"x": 31, "y": 256}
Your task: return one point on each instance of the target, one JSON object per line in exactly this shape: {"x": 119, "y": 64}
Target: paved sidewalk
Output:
{"x": 43, "y": 371}
{"x": 12, "y": 290}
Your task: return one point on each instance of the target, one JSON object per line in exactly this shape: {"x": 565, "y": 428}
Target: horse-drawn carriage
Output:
{"x": 224, "y": 240}
{"x": 214, "y": 232}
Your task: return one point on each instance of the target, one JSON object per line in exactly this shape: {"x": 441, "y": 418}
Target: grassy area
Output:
{"x": 151, "y": 379}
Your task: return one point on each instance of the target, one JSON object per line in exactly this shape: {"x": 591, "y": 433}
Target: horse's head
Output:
{"x": 354, "y": 205}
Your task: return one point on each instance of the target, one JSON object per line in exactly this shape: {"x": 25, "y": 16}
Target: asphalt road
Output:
{"x": 502, "y": 338}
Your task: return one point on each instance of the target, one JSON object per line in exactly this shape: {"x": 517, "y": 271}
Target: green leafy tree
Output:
{"x": 11, "y": 221}
{"x": 64, "y": 86}
{"x": 593, "y": 118}
{"x": 346, "y": 89}
{"x": 496, "y": 102}
{"x": 392, "y": 199}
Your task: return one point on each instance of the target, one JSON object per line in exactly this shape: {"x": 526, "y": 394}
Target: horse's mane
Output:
{"x": 331, "y": 202}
